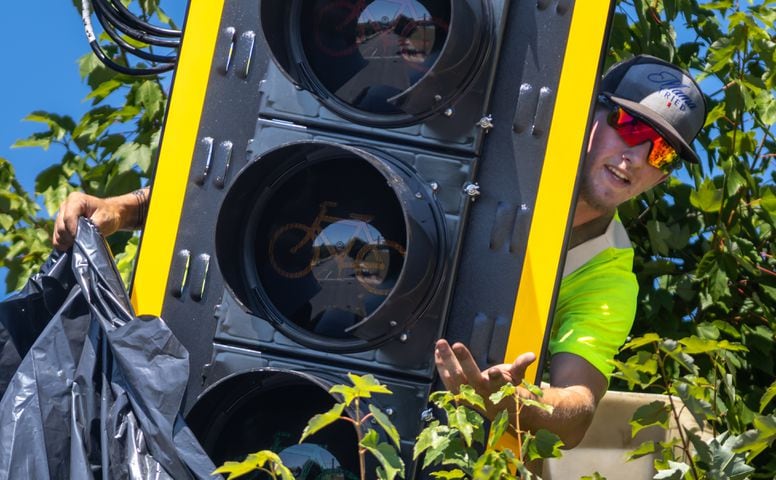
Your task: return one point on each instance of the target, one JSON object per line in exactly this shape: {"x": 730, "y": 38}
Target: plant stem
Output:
{"x": 359, "y": 435}
{"x": 519, "y": 433}
{"x": 675, "y": 414}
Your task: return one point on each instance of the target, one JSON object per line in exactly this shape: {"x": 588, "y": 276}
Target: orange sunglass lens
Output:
{"x": 635, "y": 132}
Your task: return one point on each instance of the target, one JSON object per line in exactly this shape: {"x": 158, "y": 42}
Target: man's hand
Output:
{"x": 456, "y": 367}
{"x": 124, "y": 212}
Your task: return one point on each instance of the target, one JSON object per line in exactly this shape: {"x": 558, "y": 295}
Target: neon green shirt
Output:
{"x": 596, "y": 307}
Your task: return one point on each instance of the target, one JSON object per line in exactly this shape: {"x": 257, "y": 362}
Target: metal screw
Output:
{"x": 393, "y": 323}
{"x": 472, "y": 190}
{"x": 486, "y": 123}
{"x": 434, "y": 186}
{"x": 437, "y": 98}
{"x": 523, "y": 207}
{"x": 418, "y": 195}
{"x": 389, "y": 411}
{"x": 448, "y": 112}
{"x": 403, "y": 337}
{"x": 427, "y": 415}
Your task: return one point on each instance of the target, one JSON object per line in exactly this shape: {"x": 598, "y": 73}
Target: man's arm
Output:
{"x": 123, "y": 212}
{"x": 575, "y": 389}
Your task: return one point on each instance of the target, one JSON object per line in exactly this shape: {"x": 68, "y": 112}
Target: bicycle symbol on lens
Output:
{"x": 337, "y": 248}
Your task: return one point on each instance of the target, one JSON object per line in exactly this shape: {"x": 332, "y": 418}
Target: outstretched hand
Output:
{"x": 104, "y": 213}
{"x": 457, "y": 367}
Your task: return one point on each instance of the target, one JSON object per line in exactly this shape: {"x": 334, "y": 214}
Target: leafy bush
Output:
{"x": 454, "y": 449}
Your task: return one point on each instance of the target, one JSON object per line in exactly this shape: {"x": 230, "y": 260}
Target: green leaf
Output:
{"x": 654, "y": 413}
{"x": 646, "y": 448}
{"x": 767, "y": 397}
{"x": 466, "y": 421}
{"x": 366, "y": 385}
{"x": 442, "y": 398}
{"x": 58, "y": 124}
{"x": 506, "y": 391}
{"x": 104, "y": 89}
{"x": 383, "y": 420}
{"x": 449, "y": 474}
{"x": 433, "y": 441}
{"x": 641, "y": 341}
{"x": 766, "y": 105}
{"x": 768, "y": 201}
{"x": 6, "y": 221}
{"x": 265, "y": 460}
{"x": 528, "y": 402}
{"x": 498, "y": 427}
{"x": 322, "y": 420}
{"x": 544, "y": 444}
{"x": 694, "y": 345}
{"x": 348, "y": 393}
{"x": 42, "y": 140}
{"x": 390, "y": 462}
{"x": 757, "y": 440}
{"x": 594, "y": 476}
{"x": 150, "y": 96}
{"x": 727, "y": 464}
{"x": 659, "y": 236}
{"x": 701, "y": 448}
{"x": 699, "y": 407}
{"x": 468, "y": 395}
{"x": 707, "y": 198}
{"x": 676, "y": 471}
{"x": 131, "y": 155}
{"x": 719, "y": 5}
{"x": 532, "y": 388}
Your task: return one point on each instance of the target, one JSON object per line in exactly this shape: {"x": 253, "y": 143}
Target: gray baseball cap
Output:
{"x": 662, "y": 95}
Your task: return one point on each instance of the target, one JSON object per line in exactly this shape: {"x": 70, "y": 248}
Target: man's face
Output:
{"x": 613, "y": 172}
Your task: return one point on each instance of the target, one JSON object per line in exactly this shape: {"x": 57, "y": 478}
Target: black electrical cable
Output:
{"x": 151, "y": 57}
{"x": 127, "y": 70}
{"x": 99, "y": 5}
{"x": 111, "y": 19}
{"x": 134, "y": 21}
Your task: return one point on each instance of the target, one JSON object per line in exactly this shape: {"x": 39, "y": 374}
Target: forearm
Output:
{"x": 572, "y": 413}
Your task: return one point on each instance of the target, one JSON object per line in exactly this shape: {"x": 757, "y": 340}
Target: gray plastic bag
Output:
{"x": 99, "y": 392}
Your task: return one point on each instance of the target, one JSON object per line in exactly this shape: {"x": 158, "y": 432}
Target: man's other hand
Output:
{"x": 456, "y": 367}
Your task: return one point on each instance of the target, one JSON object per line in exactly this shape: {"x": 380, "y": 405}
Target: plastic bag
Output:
{"x": 99, "y": 392}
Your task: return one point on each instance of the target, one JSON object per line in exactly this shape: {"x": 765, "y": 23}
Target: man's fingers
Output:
{"x": 498, "y": 376}
{"x": 469, "y": 367}
{"x": 63, "y": 239}
{"x": 448, "y": 367}
{"x": 520, "y": 365}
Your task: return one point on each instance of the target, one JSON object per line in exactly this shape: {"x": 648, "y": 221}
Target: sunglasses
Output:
{"x": 634, "y": 131}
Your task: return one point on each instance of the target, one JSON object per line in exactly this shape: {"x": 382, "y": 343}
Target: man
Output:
{"x": 647, "y": 115}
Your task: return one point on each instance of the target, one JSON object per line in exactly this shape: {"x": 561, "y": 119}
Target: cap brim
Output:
{"x": 684, "y": 149}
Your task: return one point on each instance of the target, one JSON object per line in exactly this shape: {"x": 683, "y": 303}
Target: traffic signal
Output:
{"x": 341, "y": 183}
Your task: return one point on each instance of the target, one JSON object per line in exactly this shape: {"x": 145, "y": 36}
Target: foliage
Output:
{"x": 454, "y": 449}
{"x": 720, "y": 437}
{"x": 387, "y": 454}
{"x": 391, "y": 464}
{"x": 705, "y": 240}
{"x": 460, "y": 445}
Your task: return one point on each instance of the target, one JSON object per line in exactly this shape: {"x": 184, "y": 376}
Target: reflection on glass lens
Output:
{"x": 330, "y": 246}
{"x": 365, "y": 52}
